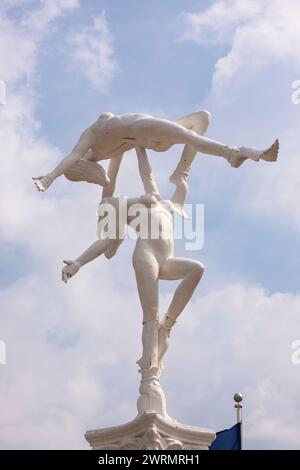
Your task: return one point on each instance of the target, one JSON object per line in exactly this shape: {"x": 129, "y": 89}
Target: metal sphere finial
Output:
{"x": 238, "y": 397}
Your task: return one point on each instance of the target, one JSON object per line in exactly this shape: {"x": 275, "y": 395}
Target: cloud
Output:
{"x": 218, "y": 22}
{"x": 65, "y": 343}
{"x": 258, "y": 32}
{"x": 49, "y": 10}
{"x": 93, "y": 53}
{"x": 251, "y": 86}
{"x": 17, "y": 51}
{"x": 20, "y": 38}
{"x": 250, "y": 100}
{"x": 71, "y": 361}
{"x": 238, "y": 338}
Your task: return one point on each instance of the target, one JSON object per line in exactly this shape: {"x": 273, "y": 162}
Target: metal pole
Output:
{"x": 238, "y": 398}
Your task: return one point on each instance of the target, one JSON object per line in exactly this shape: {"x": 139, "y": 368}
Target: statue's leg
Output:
{"x": 87, "y": 170}
{"x": 146, "y": 272}
{"x": 190, "y": 272}
{"x": 197, "y": 122}
{"x": 168, "y": 133}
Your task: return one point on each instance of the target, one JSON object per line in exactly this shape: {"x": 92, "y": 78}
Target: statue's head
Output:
{"x": 106, "y": 115}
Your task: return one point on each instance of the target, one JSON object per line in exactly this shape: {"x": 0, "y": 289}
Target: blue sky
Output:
{"x": 66, "y": 61}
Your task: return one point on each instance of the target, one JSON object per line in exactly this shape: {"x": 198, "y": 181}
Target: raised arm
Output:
{"x": 95, "y": 250}
{"x": 180, "y": 192}
{"x": 146, "y": 173}
{"x": 112, "y": 173}
{"x": 150, "y": 186}
{"x": 81, "y": 148}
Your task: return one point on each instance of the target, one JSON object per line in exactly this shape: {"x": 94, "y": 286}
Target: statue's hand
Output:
{"x": 42, "y": 182}
{"x": 69, "y": 270}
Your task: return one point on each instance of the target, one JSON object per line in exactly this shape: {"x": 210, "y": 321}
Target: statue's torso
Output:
{"x": 117, "y": 134}
{"x": 160, "y": 238}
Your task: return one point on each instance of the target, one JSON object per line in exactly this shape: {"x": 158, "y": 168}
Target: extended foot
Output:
{"x": 239, "y": 155}
{"x": 271, "y": 154}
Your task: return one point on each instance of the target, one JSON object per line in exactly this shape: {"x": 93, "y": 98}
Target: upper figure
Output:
{"x": 112, "y": 135}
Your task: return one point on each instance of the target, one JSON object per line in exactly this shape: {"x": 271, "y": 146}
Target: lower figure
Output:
{"x": 149, "y": 268}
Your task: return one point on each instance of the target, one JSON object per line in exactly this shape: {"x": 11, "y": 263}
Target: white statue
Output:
{"x": 153, "y": 260}
{"x": 110, "y": 136}
{"x": 153, "y": 257}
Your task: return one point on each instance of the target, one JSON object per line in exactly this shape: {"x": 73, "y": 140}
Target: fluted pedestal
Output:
{"x": 151, "y": 431}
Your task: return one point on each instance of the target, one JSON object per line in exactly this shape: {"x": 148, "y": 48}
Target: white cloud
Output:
{"x": 20, "y": 38}
{"x": 239, "y": 339}
{"x": 94, "y": 54}
{"x": 259, "y": 32}
{"x": 17, "y": 51}
{"x": 218, "y": 22}
{"x": 277, "y": 191}
{"x": 39, "y": 19}
{"x": 62, "y": 347}
{"x": 64, "y": 352}
{"x": 252, "y": 331}
{"x": 251, "y": 86}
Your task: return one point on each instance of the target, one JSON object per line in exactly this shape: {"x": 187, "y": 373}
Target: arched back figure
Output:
{"x": 112, "y": 135}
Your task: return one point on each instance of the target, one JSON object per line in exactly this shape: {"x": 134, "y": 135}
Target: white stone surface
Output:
{"x": 110, "y": 136}
{"x": 150, "y": 431}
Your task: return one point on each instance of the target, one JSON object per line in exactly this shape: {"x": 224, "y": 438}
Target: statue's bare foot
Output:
{"x": 271, "y": 154}
{"x": 239, "y": 155}
{"x": 42, "y": 182}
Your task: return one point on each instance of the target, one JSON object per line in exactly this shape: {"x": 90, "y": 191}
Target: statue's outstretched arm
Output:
{"x": 95, "y": 250}
{"x": 180, "y": 193}
{"x": 81, "y": 148}
{"x": 146, "y": 172}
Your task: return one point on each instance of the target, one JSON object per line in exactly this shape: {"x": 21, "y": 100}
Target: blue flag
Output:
{"x": 229, "y": 439}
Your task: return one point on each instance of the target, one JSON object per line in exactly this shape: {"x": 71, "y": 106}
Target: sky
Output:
{"x": 71, "y": 349}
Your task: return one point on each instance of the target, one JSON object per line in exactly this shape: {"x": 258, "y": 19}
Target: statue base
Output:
{"x": 151, "y": 431}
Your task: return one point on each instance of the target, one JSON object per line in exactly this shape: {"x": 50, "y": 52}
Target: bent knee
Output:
{"x": 201, "y": 121}
{"x": 198, "y": 270}
{"x": 204, "y": 115}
